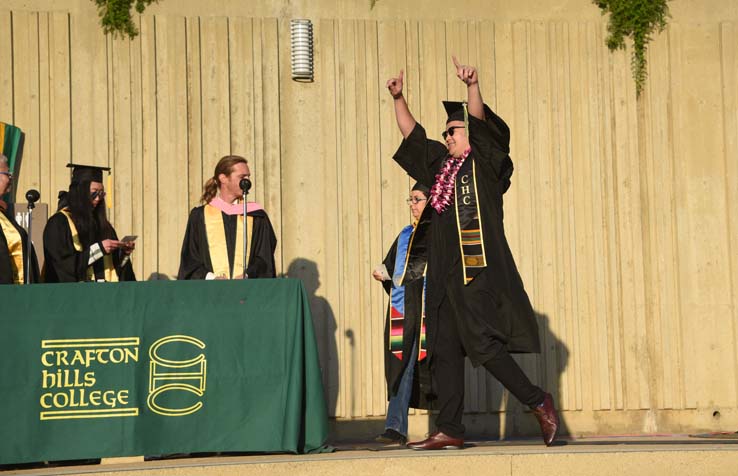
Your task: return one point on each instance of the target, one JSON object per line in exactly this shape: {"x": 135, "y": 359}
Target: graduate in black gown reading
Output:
{"x": 13, "y": 239}
{"x": 80, "y": 244}
{"x": 213, "y": 242}
{"x": 476, "y": 304}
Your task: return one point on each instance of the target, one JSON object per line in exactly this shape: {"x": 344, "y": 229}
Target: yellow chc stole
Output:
{"x": 217, "y": 244}
{"x": 15, "y": 248}
{"x": 111, "y": 275}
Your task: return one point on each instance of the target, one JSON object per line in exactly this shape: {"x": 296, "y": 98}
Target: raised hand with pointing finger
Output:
{"x": 468, "y": 74}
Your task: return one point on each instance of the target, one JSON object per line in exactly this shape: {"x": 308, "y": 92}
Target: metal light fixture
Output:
{"x": 301, "y": 40}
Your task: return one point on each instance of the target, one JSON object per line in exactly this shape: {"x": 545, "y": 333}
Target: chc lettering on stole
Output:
{"x": 465, "y": 190}
{"x": 68, "y": 378}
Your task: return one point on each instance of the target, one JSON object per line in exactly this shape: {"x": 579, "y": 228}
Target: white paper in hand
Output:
{"x": 382, "y": 270}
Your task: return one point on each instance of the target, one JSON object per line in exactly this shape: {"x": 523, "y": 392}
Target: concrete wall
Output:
{"x": 623, "y": 214}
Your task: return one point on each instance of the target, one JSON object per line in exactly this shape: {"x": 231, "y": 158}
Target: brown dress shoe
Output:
{"x": 548, "y": 419}
{"x": 438, "y": 441}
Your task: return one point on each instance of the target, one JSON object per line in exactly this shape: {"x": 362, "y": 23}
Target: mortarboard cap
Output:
{"x": 91, "y": 173}
{"x": 454, "y": 111}
{"x": 421, "y": 188}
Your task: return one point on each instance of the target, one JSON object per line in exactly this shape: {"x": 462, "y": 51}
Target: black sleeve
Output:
{"x": 389, "y": 263}
{"x": 490, "y": 141}
{"x": 64, "y": 264}
{"x": 262, "y": 247}
{"x": 123, "y": 266}
{"x": 6, "y": 268}
{"x": 192, "y": 257}
{"x": 420, "y": 157}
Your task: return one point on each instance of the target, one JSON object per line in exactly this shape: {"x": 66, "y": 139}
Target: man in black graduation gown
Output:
{"x": 13, "y": 240}
{"x": 213, "y": 242}
{"x": 80, "y": 244}
{"x": 476, "y": 303}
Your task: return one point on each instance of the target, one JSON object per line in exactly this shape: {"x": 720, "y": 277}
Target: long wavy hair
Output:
{"x": 91, "y": 222}
{"x": 225, "y": 167}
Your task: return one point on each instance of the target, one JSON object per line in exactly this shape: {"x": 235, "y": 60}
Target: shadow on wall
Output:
{"x": 518, "y": 419}
{"x": 324, "y": 323}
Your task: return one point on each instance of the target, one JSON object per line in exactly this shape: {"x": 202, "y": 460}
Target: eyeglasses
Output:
{"x": 98, "y": 194}
{"x": 10, "y": 176}
{"x": 415, "y": 200}
{"x": 450, "y": 131}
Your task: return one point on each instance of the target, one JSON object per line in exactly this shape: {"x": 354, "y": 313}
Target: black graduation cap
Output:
{"x": 455, "y": 111}
{"x": 91, "y": 173}
{"x": 421, "y": 188}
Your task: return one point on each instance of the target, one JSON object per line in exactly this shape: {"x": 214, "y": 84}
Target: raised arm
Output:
{"x": 470, "y": 77}
{"x": 405, "y": 120}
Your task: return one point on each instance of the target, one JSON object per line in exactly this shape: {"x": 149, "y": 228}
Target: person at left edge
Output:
{"x": 213, "y": 242}
{"x": 80, "y": 244}
{"x": 13, "y": 240}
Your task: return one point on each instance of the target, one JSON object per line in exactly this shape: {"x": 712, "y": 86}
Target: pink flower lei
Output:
{"x": 443, "y": 188}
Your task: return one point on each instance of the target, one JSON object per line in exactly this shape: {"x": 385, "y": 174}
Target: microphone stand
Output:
{"x": 245, "y": 185}
{"x": 29, "y": 244}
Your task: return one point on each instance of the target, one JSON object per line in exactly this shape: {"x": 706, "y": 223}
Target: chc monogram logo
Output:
{"x": 167, "y": 375}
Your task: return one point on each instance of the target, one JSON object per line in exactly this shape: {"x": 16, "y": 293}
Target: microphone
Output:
{"x": 32, "y": 196}
{"x": 245, "y": 185}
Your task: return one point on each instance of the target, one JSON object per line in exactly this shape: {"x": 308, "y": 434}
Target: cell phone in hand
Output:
{"x": 129, "y": 238}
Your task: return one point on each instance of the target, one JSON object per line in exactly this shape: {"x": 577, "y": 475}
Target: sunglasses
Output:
{"x": 98, "y": 194}
{"x": 450, "y": 131}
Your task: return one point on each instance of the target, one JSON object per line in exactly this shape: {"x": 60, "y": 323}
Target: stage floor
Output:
{"x": 652, "y": 455}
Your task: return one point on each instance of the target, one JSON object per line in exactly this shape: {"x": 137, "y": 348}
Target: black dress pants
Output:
{"x": 447, "y": 369}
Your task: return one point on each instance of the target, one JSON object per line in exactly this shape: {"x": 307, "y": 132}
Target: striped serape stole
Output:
{"x": 397, "y": 298}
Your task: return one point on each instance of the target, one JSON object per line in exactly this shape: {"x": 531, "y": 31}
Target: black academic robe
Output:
{"x": 6, "y": 268}
{"x": 64, "y": 264}
{"x": 195, "y": 260}
{"x": 494, "y": 307}
{"x": 413, "y": 282}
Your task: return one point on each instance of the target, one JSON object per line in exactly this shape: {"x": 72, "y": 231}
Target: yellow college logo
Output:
{"x": 167, "y": 375}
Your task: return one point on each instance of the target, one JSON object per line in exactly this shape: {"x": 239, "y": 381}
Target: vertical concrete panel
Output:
{"x": 729, "y": 61}
{"x": 215, "y": 101}
{"x": 137, "y": 204}
{"x": 149, "y": 242}
{"x": 197, "y": 175}
{"x": 58, "y": 114}
{"x": 27, "y": 92}
{"x": 272, "y": 57}
{"x": 121, "y": 159}
{"x": 171, "y": 106}
{"x": 6, "y": 74}
{"x": 328, "y": 328}
{"x": 89, "y": 91}
{"x": 702, "y": 211}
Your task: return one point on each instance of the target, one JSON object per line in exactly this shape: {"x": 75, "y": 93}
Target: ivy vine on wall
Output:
{"x": 115, "y": 16}
{"x": 637, "y": 20}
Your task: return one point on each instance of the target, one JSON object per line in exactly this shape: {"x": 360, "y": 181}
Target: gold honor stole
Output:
{"x": 111, "y": 275}
{"x": 215, "y": 231}
{"x": 469, "y": 224}
{"x": 15, "y": 248}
